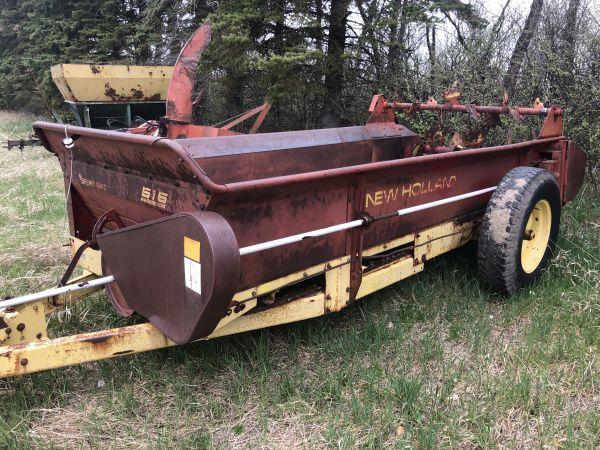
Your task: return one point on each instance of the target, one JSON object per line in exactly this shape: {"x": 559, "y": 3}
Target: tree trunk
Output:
{"x": 563, "y": 78}
{"x": 278, "y": 33}
{"x": 431, "y": 50}
{"x": 397, "y": 36}
{"x": 319, "y": 21}
{"x": 569, "y": 38}
{"x": 369, "y": 37}
{"x": 486, "y": 55}
{"x": 430, "y": 35}
{"x": 334, "y": 64}
{"x": 520, "y": 50}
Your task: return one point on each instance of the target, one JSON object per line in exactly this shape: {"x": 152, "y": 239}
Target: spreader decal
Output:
{"x": 154, "y": 197}
{"x": 410, "y": 190}
{"x": 191, "y": 264}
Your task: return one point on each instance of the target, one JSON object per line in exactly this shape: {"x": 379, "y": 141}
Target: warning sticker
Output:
{"x": 192, "y": 271}
{"x": 191, "y": 248}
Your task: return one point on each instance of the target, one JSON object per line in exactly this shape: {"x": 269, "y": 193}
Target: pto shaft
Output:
{"x": 468, "y": 108}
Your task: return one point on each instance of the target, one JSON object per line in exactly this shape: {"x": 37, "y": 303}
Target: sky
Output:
{"x": 495, "y": 6}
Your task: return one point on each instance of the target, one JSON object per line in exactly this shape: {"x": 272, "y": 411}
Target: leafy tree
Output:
{"x": 320, "y": 61}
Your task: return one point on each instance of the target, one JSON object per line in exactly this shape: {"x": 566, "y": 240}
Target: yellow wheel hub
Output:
{"x": 536, "y": 236}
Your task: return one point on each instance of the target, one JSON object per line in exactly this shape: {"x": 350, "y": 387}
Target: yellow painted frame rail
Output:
{"x": 30, "y": 350}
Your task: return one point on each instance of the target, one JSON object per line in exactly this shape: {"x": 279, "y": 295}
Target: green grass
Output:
{"x": 434, "y": 361}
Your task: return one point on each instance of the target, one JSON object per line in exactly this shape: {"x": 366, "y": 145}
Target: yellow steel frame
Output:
{"x": 26, "y": 348}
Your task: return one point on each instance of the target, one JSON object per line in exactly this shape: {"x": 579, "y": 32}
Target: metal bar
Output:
{"x": 51, "y": 304}
{"x": 21, "y": 143}
{"x": 260, "y": 119}
{"x": 299, "y": 237}
{"x": 243, "y": 117}
{"x": 357, "y": 223}
{"x": 128, "y": 115}
{"x": 55, "y": 291}
{"x": 444, "y": 201}
{"x": 467, "y": 108}
{"x": 76, "y": 349}
{"x": 86, "y": 116}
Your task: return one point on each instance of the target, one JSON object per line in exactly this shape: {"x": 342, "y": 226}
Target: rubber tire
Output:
{"x": 503, "y": 226}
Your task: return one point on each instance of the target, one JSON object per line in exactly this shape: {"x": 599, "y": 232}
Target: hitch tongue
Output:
{"x": 21, "y": 143}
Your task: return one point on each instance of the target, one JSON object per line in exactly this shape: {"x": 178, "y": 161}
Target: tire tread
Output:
{"x": 500, "y": 235}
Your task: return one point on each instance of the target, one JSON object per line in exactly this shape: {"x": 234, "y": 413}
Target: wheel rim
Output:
{"x": 536, "y": 236}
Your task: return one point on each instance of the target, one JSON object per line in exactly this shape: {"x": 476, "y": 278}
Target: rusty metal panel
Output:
{"x": 291, "y": 139}
{"x": 415, "y": 184}
{"x": 142, "y": 177}
{"x": 252, "y": 157}
{"x": 274, "y": 213}
{"x": 575, "y": 171}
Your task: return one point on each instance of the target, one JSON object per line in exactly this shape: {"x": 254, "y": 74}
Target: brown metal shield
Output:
{"x": 575, "y": 173}
{"x": 180, "y": 271}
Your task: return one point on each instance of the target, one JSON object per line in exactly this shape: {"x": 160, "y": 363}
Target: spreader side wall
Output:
{"x": 145, "y": 178}
{"x": 260, "y": 165}
{"x": 142, "y": 178}
{"x": 274, "y": 212}
{"x": 245, "y": 158}
{"x": 268, "y": 214}
{"x": 416, "y": 184}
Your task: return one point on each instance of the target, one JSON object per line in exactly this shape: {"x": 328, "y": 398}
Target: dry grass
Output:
{"x": 435, "y": 361}
{"x": 32, "y": 216}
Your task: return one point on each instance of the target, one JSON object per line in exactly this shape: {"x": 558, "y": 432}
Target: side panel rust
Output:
{"x": 145, "y": 178}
